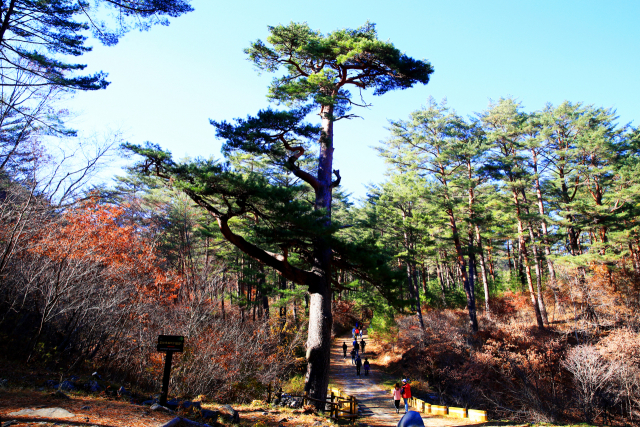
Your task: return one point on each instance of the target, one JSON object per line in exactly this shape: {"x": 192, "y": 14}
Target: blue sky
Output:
{"x": 168, "y": 82}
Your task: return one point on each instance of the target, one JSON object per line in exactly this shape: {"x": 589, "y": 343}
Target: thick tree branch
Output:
{"x": 276, "y": 261}
{"x": 335, "y": 183}
{"x": 291, "y": 162}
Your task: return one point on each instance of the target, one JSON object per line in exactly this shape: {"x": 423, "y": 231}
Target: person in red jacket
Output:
{"x": 406, "y": 394}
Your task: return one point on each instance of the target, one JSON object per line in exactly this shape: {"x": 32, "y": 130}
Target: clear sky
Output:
{"x": 167, "y": 83}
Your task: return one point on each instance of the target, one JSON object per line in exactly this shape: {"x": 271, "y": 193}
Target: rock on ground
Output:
{"x": 157, "y": 407}
{"x": 208, "y": 415}
{"x": 44, "y": 412}
{"x": 231, "y": 413}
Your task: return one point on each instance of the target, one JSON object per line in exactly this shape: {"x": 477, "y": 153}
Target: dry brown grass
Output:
{"x": 113, "y": 413}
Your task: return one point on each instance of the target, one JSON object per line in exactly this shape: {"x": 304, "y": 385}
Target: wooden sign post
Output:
{"x": 169, "y": 344}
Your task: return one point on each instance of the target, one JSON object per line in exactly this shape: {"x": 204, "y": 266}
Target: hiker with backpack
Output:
{"x": 362, "y": 344}
{"x": 344, "y": 349}
{"x": 356, "y": 346}
{"x": 406, "y": 394}
{"x": 366, "y": 366}
{"x": 353, "y": 356}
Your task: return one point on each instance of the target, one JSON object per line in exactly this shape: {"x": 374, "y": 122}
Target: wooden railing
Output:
{"x": 427, "y": 408}
{"x": 341, "y": 405}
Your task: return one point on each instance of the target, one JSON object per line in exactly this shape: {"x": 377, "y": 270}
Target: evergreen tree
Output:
{"x": 433, "y": 142}
{"x": 33, "y": 33}
{"x": 503, "y": 124}
{"x": 318, "y": 71}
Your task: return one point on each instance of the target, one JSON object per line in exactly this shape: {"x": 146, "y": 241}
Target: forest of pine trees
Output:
{"x": 522, "y": 223}
{"x": 501, "y": 253}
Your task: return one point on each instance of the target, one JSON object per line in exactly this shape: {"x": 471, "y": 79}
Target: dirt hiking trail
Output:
{"x": 374, "y": 402}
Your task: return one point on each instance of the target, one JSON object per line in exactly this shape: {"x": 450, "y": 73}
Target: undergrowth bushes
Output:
{"x": 226, "y": 359}
{"x": 85, "y": 289}
{"x": 569, "y": 371}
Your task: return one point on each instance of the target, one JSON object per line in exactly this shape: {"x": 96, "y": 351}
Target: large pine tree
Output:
{"x": 294, "y": 234}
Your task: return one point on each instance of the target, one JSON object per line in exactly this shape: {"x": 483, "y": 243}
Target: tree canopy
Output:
{"x": 33, "y": 33}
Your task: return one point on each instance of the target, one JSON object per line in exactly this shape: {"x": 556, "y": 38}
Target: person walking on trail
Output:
{"x": 397, "y": 395}
{"x": 362, "y": 344}
{"x": 358, "y": 365}
{"x": 356, "y": 346}
{"x": 353, "y": 333}
{"x": 344, "y": 349}
{"x": 366, "y": 366}
{"x": 406, "y": 394}
{"x": 361, "y": 332}
{"x": 357, "y": 332}
{"x": 353, "y": 356}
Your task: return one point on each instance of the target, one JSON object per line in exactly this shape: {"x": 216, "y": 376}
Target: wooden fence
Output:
{"x": 341, "y": 405}
{"x": 427, "y": 408}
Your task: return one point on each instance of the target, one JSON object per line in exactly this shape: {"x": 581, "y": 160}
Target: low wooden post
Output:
{"x": 353, "y": 410}
{"x": 304, "y": 398}
{"x": 331, "y": 408}
{"x": 165, "y": 378}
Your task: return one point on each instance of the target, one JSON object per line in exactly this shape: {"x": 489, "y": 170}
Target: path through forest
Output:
{"x": 374, "y": 401}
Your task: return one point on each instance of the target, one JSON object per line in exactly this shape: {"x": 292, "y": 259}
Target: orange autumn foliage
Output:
{"x": 99, "y": 234}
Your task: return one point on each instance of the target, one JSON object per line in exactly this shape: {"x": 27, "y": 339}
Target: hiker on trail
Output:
{"x": 357, "y": 333}
{"x": 366, "y": 366}
{"x": 361, "y": 332}
{"x": 362, "y": 344}
{"x": 411, "y": 419}
{"x": 397, "y": 395}
{"x": 356, "y": 347}
{"x": 353, "y": 333}
{"x": 406, "y": 394}
{"x": 358, "y": 365}
{"x": 344, "y": 349}
{"x": 353, "y": 356}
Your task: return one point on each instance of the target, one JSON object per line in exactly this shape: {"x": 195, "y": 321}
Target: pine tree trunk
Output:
{"x": 491, "y": 268}
{"x": 319, "y": 346}
{"x": 634, "y": 258}
{"x": 440, "y": 273}
{"x": 262, "y": 280}
{"x": 541, "y": 304}
{"x": 509, "y": 259}
{"x": 320, "y": 316}
{"x": 521, "y": 262}
{"x": 295, "y": 307}
{"x": 545, "y": 232}
{"x": 449, "y": 276}
{"x": 525, "y": 260}
{"x": 467, "y": 280}
{"x": 483, "y": 270}
{"x": 425, "y": 278}
{"x": 538, "y": 263}
{"x": 417, "y": 295}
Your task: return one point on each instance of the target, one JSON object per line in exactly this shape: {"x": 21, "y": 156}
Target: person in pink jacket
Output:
{"x": 397, "y": 395}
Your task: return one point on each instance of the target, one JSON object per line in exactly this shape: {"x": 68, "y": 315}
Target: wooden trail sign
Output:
{"x": 174, "y": 343}
{"x": 169, "y": 344}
